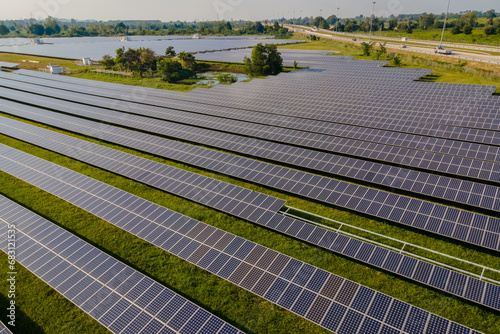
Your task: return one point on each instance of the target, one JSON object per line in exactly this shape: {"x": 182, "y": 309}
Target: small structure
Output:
{"x": 54, "y": 69}
{"x": 124, "y": 39}
{"x": 196, "y": 36}
{"x": 87, "y": 61}
{"x": 36, "y": 40}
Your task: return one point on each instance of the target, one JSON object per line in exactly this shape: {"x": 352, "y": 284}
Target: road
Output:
{"x": 460, "y": 50}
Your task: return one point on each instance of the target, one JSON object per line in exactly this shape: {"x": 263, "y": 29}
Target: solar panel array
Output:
{"x": 326, "y": 299}
{"x": 427, "y": 153}
{"x": 423, "y": 272}
{"x": 421, "y": 183}
{"x": 7, "y": 64}
{"x": 451, "y": 222}
{"x": 120, "y": 298}
{"x": 4, "y": 329}
{"x": 235, "y": 200}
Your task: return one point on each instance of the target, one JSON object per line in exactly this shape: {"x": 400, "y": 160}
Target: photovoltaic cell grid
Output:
{"x": 4, "y": 329}
{"x": 395, "y": 120}
{"x": 451, "y": 222}
{"x": 6, "y": 64}
{"x": 322, "y": 99}
{"x": 331, "y": 301}
{"x": 238, "y": 201}
{"x": 423, "y": 272}
{"x": 459, "y": 191}
{"x": 120, "y": 298}
{"x": 474, "y": 164}
{"x": 348, "y": 140}
{"x": 367, "y": 127}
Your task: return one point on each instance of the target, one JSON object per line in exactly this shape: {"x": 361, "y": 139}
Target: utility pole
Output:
{"x": 444, "y": 25}
{"x": 371, "y": 21}
{"x": 338, "y": 20}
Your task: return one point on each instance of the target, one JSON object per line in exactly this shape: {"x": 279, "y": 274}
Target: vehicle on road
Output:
{"x": 442, "y": 50}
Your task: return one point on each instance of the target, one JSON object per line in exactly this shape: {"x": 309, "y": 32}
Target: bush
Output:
{"x": 396, "y": 61}
{"x": 456, "y": 30}
{"x": 226, "y": 78}
{"x": 108, "y": 62}
{"x": 367, "y": 48}
{"x": 490, "y": 31}
{"x": 467, "y": 30}
{"x": 172, "y": 71}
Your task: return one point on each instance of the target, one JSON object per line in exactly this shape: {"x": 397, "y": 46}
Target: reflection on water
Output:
{"x": 211, "y": 78}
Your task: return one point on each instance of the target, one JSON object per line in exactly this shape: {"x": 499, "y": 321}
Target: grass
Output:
{"x": 248, "y": 312}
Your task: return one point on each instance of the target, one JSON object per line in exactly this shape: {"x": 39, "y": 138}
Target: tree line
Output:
{"x": 52, "y": 27}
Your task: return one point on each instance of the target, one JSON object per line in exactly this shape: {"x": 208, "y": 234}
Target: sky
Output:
{"x": 190, "y": 10}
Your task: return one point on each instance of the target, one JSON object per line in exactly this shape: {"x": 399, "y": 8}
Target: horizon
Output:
{"x": 228, "y": 10}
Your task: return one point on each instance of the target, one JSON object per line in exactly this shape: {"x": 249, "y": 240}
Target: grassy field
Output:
{"x": 42, "y": 310}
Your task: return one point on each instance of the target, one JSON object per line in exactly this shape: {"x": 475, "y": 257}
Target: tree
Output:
{"x": 276, "y": 26}
{"x": 383, "y": 48}
{"x": 36, "y": 29}
{"x": 172, "y": 71}
{"x": 467, "y": 30}
{"x": 107, "y": 61}
{"x": 490, "y": 15}
{"x": 367, "y": 48}
{"x": 147, "y": 59}
{"x": 323, "y": 25}
{"x": 51, "y": 26}
{"x": 187, "y": 59}
{"x": 318, "y": 21}
{"x": 259, "y": 27}
{"x": 3, "y": 29}
{"x": 170, "y": 52}
{"x": 426, "y": 21}
{"x": 265, "y": 60}
{"x": 120, "y": 28}
{"x": 490, "y": 30}
{"x": 466, "y": 19}
{"x": 393, "y": 23}
{"x": 456, "y": 30}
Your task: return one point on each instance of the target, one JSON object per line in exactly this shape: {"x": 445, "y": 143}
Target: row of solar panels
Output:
{"x": 117, "y": 296}
{"x": 292, "y": 92}
{"x": 159, "y": 176}
{"x": 441, "y": 187}
{"x": 328, "y": 300}
{"x": 278, "y": 126}
{"x": 326, "y": 162}
{"x": 451, "y": 222}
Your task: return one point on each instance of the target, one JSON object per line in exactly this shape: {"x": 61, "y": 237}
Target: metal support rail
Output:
{"x": 400, "y": 250}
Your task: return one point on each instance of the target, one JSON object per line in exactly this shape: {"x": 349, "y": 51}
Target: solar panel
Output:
{"x": 235, "y": 200}
{"x": 4, "y": 329}
{"x": 359, "y": 250}
{"x": 120, "y": 298}
{"x": 451, "y": 222}
{"x": 437, "y": 155}
{"x": 324, "y": 300}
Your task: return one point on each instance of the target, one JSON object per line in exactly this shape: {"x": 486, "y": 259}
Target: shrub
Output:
{"x": 456, "y": 30}
{"x": 467, "y": 30}
{"x": 226, "y": 78}
{"x": 490, "y": 30}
